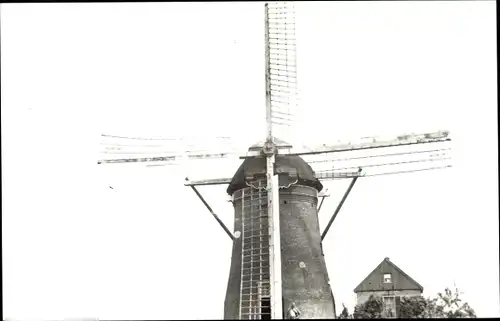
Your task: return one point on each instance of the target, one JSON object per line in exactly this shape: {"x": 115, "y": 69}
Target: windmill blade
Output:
{"x": 404, "y": 171}
{"x": 166, "y": 160}
{"x": 366, "y": 143}
{"x": 167, "y": 151}
{"x": 386, "y": 163}
{"x": 281, "y": 70}
{"x": 124, "y": 144}
{"x": 380, "y": 142}
{"x": 376, "y": 158}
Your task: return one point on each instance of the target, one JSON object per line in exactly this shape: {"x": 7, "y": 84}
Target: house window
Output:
{"x": 389, "y": 306}
{"x": 387, "y": 278}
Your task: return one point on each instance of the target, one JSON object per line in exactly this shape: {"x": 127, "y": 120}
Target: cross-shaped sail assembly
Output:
{"x": 277, "y": 265}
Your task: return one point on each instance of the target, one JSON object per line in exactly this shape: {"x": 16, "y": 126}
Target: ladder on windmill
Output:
{"x": 255, "y": 272}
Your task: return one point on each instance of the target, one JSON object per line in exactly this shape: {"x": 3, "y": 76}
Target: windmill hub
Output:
{"x": 269, "y": 149}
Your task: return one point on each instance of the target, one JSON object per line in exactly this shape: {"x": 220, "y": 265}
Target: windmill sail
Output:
{"x": 167, "y": 151}
{"x": 281, "y": 70}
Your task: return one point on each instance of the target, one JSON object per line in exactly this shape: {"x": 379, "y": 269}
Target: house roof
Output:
{"x": 401, "y": 280}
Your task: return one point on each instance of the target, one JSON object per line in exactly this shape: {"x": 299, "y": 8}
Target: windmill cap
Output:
{"x": 292, "y": 165}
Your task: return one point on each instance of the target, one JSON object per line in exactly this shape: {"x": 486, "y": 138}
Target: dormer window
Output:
{"x": 387, "y": 278}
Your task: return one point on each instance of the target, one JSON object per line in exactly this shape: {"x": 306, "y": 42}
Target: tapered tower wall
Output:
{"x": 305, "y": 279}
{"x": 304, "y": 275}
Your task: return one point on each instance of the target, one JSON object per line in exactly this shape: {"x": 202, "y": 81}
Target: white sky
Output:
{"x": 148, "y": 249}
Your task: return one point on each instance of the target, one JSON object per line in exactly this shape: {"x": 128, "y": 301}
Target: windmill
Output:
{"x": 277, "y": 266}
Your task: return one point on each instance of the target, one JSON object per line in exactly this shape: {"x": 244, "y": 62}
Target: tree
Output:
{"x": 453, "y": 305}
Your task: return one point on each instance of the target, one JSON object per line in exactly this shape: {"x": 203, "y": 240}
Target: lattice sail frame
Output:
{"x": 281, "y": 69}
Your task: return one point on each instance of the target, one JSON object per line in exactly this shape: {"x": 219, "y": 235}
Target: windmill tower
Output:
{"x": 277, "y": 265}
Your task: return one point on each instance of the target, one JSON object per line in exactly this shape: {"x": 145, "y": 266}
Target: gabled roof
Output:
{"x": 400, "y": 280}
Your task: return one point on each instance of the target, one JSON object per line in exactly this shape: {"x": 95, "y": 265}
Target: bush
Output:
{"x": 419, "y": 307}
{"x": 371, "y": 309}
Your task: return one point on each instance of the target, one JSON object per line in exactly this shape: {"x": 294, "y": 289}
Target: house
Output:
{"x": 389, "y": 282}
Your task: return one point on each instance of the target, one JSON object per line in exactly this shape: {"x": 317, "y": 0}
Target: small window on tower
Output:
{"x": 387, "y": 278}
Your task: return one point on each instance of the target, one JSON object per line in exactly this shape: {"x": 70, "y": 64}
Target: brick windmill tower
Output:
{"x": 277, "y": 266}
